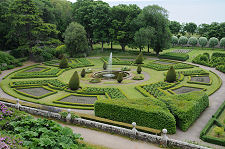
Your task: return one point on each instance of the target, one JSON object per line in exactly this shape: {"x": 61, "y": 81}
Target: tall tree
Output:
{"x": 122, "y": 17}
{"x": 175, "y": 27}
{"x": 75, "y": 39}
{"x": 101, "y": 22}
{"x": 83, "y": 14}
{"x": 27, "y": 26}
{"x": 190, "y": 27}
{"x": 157, "y": 17}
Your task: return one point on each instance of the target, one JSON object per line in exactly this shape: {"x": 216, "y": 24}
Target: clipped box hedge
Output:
{"x": 148, "y": 112}
{"x": 175, "y": 56}
{"x": 186, "y": 107}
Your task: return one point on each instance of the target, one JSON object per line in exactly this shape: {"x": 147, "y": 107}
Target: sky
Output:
{"x": 197, "y": 11}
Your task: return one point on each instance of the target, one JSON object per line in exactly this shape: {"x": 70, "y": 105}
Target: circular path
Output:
{"x": 114, "y": 141}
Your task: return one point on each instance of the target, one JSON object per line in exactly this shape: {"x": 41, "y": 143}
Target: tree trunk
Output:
{"x": 123, "y": 47}
{"x": 111, "y": 45}
{"x": 148, "y": 48}
{"x": 102, "y": 46}
{"x": 140, "y": 49}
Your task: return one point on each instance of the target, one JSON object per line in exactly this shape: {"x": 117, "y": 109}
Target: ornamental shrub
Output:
{"x": 192, "y": 41}
{"x": 139, "y": 69}
{"x": 120, "y": 77}
{"x": 139, "y": 59}
{"x": 222, "y": 43}
{"x": 218, "y": 131}
{"x": 74, "y": 83}
{"x": 148, "y": 112}
{"x": 203, "y": 41}
{"x": 175, "y": 56}
{"x": 83, "y": 73}
{"x": 183, "y": 40}
{"x": 186, "y": 107}
{"x": 207, "y": 54}
{"x": 204, "y": 58}
{"x": 174, "y": 40}
{"x": 104, "y": 66}
{"x": 171, "y": 75}
{"x": 213, "y": 42}
{"x": 64, "y": 63}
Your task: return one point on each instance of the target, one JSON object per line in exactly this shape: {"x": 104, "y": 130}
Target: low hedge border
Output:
{"x": 175, "y": 56}
{"x": 117, "y": 61}
{"x": 35, "y": 97}
{"x": 18, "y": 71}
{"x": 201, "y": 83}
{"x": 79, "y": 104}
{"x": 220, "y": 82}
{"x": 172, "y": 92}
{"x": 45, "y": 69}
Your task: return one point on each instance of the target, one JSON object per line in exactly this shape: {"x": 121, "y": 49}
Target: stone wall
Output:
{"x": 162, "y": 140}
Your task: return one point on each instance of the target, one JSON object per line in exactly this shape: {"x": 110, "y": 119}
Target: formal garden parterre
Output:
{"x": 130, "y": 95}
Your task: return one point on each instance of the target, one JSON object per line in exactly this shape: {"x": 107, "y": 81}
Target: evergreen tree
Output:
{"x": 120, "y": 77}
{"x": 104, "y": 66}
{"x": 74, "y": 83}
{"x": 139, "y": 70}
{"x": 83, "y": 73}
{"x": 171, "y": 75}
{"x": 139, "y": 59}
{"x": 64, "y": 63}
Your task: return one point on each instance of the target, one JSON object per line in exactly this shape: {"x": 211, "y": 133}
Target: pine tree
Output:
{"x": 74, "y": 83}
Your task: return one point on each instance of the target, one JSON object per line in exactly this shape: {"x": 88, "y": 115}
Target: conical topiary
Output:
{"x": 74, "y": 83}
{"x": 139, "y": 69}
{"x": 120, "y": 77}
{"x": 171, "y": 75}
{"x": 104, "y": 66}
{"x": 83, "y": 73}
{"x": 64, "y": 63}
{"x": 139, "y": 59}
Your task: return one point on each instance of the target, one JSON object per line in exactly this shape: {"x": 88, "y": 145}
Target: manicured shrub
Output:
{"x": 74, "y": 83}
{"x": 213, "y": 42}
{"x": 183, "y": 40}
{"x": 104, "y": 66}
{"x": 95, "y": 80}
{"x": 174, "y": 40}
{"x": 125, "y": 68}
{"x": 204, "y": 58}
{"x": 171, "y": 75}
{"x": 203, "y": 41}
{"x": 139, "y": 70}
{"x": 186, "y": 107}
{"x": 146, "y": 112}
{"x": 218, "y": 131}
{"x": 175, "y": 56}
{"x": 120, "y": 77}
{"x": 139, "y": 59}
{"x": 207, "y": 54}
{"x": 222, "y": 42}
{"x": 192, "y": 41}
{"x": 64, "y": 63}
{"x": 138, "y": 77}
{"x": 83, "y": 73}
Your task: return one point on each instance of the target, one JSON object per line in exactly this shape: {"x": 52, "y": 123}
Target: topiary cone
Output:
{"x": 74, "y": 83}
{"x": 139, "y": 69}
{"x": 64, "y": 63}
{"x": 139, "y": 59}
{"x": 104, "y": 66}
{"x": 83, "y": 73}
{"x": 120, "y": 77}
{"x": 171, "y": 75}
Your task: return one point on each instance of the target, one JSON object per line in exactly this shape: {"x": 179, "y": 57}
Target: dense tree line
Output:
{"x": 207, "y": 30}
{"x": 46, "y": 28}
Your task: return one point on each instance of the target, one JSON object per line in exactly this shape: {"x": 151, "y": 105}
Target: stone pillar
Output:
{"x": 68, "y": 117}
{"x": 134, "y": 130}
{"x": 164, "y": 137}
{"x": 17, "y": 104}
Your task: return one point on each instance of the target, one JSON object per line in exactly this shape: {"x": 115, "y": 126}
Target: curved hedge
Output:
{"x": 146, "y": 112}
{"x": 175, "y": 56}
{"x": 186, "y": 107}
